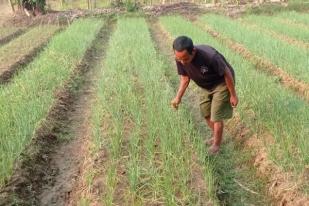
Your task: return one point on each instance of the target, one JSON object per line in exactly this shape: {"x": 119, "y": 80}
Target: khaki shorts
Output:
{"x": 216, "y": 103}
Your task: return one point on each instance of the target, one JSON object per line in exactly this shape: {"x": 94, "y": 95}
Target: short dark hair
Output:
{"x": 183, "y": 43}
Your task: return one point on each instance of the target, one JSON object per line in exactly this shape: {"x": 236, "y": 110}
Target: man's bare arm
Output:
{"x": 229, "y": 80}
{"x": 184, "y": 82}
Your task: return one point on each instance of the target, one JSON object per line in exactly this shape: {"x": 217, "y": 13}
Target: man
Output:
{"x": 215, "y": 76}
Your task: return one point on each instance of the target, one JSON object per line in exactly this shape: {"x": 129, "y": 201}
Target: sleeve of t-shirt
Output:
{"x": 180, "y": 69}
{"x": 218, "y": 64}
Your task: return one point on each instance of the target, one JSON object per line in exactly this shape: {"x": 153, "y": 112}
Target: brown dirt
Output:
{"x": 299, "y": 87}
{"x": 69, "y": 158}
{"x": 9, "y": 68}
{"x": 281, "y": 186}
{"x": 5, "y": 13}
{"x": 51, "y": 164}
{"x": 122, "y": 188}
{"x": 92, "y": 165}
{"x": 97, "y": 166}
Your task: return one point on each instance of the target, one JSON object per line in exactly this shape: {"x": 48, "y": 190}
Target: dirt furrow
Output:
{"x": 50, "y": 166}
{"x": 281, "y": 186}
{"x": 301, "y": 88}
{"x": 69, "y": 157}
{"x": 91, "y": 186}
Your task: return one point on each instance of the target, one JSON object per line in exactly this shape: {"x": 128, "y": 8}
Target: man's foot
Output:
{"x": 209, "y": 141}
{"x": 213, "y": 150}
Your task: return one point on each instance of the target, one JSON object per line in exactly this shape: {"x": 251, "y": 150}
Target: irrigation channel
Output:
{"x": 48, "y": 175}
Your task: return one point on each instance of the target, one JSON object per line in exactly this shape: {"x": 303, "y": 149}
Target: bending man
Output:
{"x": 216, "y": 79}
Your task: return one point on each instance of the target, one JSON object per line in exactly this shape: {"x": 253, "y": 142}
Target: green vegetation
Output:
{"x": 263, "y": 102}
{"x": 270, "y": 23}
{"x": 140, "y": 134}
{"x": 143, "y": 152}
{"x": 26, "y": 101}
{"x": 291, "y": 59}
{"x": 16, "y": 50}
{"x": 295, "y": 17}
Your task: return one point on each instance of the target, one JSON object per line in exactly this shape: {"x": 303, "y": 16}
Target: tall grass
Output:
{"x": 144, "y": 134}
{"x": 291, "y": 59}
{"x": 263, "y": 102}
{"x": 26, "y": 101}
{"x": 295, "y": 17}
{"x": 270, "y": 23}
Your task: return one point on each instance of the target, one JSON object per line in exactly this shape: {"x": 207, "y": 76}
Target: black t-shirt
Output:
{"x": 207, "y": 67}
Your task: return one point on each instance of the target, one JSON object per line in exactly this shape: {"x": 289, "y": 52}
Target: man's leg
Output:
{"x": 211, "y": 126}
{"x": 218, "y": 131}
{"x": 205, "y": 107}
{"x": 220, "y": 109}
{"x": 210, "y": 123}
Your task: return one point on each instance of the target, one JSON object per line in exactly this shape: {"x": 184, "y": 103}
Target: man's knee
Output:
{"x": 218, "y": 123}
{"x": 208, "y": 119}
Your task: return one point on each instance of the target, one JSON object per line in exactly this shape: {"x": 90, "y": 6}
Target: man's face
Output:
{"x": 184, "y": 57}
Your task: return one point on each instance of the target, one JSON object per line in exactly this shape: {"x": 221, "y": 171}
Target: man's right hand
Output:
{"x": 175, "y": 102}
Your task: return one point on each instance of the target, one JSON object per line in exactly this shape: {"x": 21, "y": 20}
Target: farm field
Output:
{"x": 88, "y": 121}
{"x": 280, "y": 53}
{"x": 31, "y": 94}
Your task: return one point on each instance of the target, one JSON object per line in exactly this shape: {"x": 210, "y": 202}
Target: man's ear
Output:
{"x": 193, "y": 51}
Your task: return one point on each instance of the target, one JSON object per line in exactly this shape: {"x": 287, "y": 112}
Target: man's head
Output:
{"x": 183, "y": 49}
